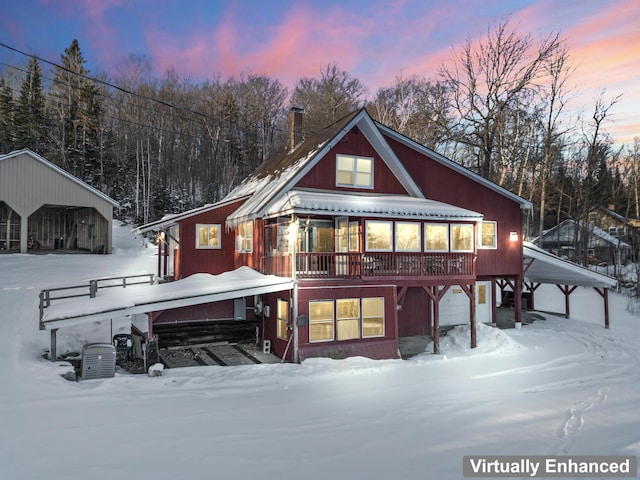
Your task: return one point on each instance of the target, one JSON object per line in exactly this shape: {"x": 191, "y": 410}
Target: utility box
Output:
{"x": 98, "y": 361}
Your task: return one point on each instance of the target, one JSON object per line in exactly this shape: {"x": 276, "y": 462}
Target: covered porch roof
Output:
{"x": 306, "y": 202}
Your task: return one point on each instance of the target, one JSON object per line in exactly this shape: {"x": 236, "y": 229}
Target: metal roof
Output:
{"x": 302, "y": 202}
{"x": 543, "y": 267}
{"x": 197, "y": 289}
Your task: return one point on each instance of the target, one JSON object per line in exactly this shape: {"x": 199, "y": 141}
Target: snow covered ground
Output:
{"x": 559, "y": 386}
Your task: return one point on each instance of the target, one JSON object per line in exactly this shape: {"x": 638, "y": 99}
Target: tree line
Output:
{"x": 164, "y": 145}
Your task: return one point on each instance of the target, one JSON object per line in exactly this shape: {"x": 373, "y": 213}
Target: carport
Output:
{"x": 43, "y": 206}
{"x": 98, "y": 301}
{"x": 541, "y": 267}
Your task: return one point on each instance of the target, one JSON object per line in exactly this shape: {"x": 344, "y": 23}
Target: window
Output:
{"x": 407, "y": 237}
{"x": 348, "y": 318}
{"x": 372, "y": 317}
{"x": 321, "y": 321}
{"x": 283, "y": 320}
{"x": 208, "y": 236}
{"x": 488, "y": 235}
{"x": 436, "y": 237}
{"x": 244, "y": 240}
{"x": 354, "y": 171}
{"x": 461, "y": 238}
{"x": 378, "y": 236}
{"x": 354, "y": 244}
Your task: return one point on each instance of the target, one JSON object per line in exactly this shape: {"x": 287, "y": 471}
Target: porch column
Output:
{"x": 517, "y": 300}
{"x": 24, "y": 232}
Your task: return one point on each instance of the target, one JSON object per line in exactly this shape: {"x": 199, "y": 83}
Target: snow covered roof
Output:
{"x": 304, "y": 202}
{"x": 544, "y": 267}
{"x": 280, "y": 173}
{"x": 194, "y": 290}
{"x": 567, "y": 230}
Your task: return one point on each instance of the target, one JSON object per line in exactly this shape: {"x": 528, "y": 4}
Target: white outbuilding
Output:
{"x": 44, "y": 207}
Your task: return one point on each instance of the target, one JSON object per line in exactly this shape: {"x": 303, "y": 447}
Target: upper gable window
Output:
{"x": 356, "y": 172}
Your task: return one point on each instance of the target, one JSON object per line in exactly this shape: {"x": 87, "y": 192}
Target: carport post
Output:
{"x": 53, "y": 356}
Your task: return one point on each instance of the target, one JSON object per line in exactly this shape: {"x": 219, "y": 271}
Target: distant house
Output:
{"x": 42, "y": 206}
{"x": 382, "y": 237}
{"x": 569, "y": 239}
{"x": 625, "y": 229}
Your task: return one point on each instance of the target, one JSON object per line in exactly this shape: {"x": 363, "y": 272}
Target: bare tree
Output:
{"x": 415, "y": 107}
{"x": 328, "y": 98}
{"x": 486, "y": 79}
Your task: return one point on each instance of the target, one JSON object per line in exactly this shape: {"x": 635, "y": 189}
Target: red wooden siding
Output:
{"x": 214, "y": 261}
{"x": 376, "y": 348}
{"x": 323, "y": 174}
{"x": 414, "y": 318}
{"x": 445, "y": 185}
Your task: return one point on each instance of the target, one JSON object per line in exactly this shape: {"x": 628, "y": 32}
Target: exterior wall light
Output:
{"x": 513, "y": 236}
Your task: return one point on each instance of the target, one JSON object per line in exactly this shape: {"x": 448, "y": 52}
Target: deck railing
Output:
{"x": 371, "y": 265}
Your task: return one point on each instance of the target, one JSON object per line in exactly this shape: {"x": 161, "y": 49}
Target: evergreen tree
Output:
{"x": 77, "y": 116}
{"x": 30, "y": 119}
{"x": 6, "y": 118}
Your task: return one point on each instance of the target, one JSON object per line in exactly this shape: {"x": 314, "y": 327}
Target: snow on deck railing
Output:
{"x": 89, "y": 290}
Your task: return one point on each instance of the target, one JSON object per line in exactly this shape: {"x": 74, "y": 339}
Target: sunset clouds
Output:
{"x": 375, "y": 41}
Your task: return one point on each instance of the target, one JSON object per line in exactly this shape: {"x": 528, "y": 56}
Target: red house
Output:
{"x": 382, "y": 237}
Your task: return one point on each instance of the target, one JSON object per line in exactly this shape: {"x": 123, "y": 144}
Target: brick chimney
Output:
{"x": 295, "y": 127}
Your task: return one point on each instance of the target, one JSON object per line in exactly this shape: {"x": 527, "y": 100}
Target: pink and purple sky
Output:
{"x": 374, "y": 40}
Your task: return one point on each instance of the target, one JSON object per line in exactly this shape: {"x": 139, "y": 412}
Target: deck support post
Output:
{"x": 53, "y": 355}
{"x": 604, "y": 293}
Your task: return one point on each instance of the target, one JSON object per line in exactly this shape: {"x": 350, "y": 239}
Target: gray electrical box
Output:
{"x": 98, "y": 361}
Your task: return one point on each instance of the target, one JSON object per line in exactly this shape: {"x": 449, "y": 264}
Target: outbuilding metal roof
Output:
{"x": 543, "y": 267}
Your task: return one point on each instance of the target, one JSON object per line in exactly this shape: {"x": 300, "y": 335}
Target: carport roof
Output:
{"x": 194, "y": 290}
{"x": 543, "y": 267}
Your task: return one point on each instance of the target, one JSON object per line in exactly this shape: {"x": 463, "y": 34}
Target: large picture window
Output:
{"x": 407, "y": 237}
{"x": 461, "y": 238}
{"x": 208, "y": 236}
{"x": 348, "y": 318}
{"x": 354, "y": 318}
{"x": 283, "y": 320}
{"x": 244, "y": 240}
{"x": 354, "y": 172}
{"x": 372, "y": 317}
{"x": 488, "y": 235}
{"x": 321, "y": 321}
{"x": 436, "y": 237}
{"x": 379, "y": 236}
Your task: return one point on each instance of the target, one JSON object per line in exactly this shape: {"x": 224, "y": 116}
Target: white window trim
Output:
{"x": 451, "y": 227}
{"x": 208, "y": 225}
{"x": 366, "y": 236}
{"x": 333, "y": 320}
{"x": 358, "y": 318}
{"x": 426, "y": 250}
{"x": 240, "y": 239}
{"x": 419, "y": 237}
{"x": 279, "y": 319}
{"x": 355, "y": 172}
{"x": 384, "y": 320}
{"x": 495, "y": 236}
